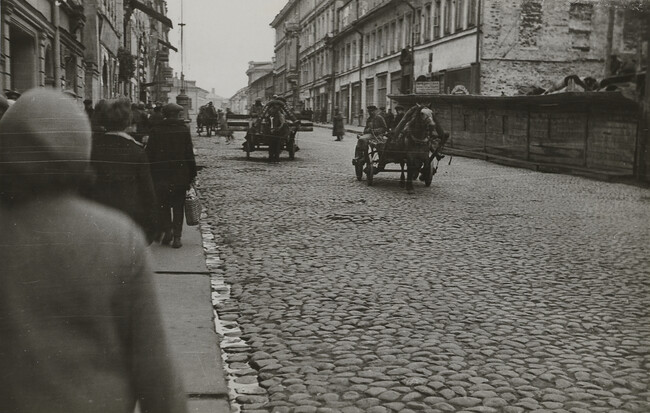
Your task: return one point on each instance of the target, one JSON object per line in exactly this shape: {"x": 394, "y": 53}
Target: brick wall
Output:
{"x": 539, "y": 42}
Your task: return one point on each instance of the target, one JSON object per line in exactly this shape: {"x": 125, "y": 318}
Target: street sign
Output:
{"x": 427, "y": 88}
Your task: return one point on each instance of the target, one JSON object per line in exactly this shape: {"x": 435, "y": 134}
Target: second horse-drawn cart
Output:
{"x": 415, "y": 144}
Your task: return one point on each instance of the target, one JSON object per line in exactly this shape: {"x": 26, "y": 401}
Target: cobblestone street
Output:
{"x": 495, "y": 290}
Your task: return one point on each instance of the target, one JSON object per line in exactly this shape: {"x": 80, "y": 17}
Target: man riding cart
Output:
{"x": 275, "y": 127}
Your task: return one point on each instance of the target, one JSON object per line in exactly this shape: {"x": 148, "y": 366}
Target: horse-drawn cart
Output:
{"x": 207, "y": 120}
{"x": 272, "y": 132}
{"x": 416, "y": 144}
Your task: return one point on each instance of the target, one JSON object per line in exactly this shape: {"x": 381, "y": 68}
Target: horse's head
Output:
{"x": 421, "y": 124}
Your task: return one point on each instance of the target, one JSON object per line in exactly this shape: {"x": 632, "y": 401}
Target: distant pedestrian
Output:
{"x": 81, "y": 329}
{"x": 338, "y": 129}
{"x": 88, "y": 108}
{"x": 123, "y": 178}
{"x": 173, "y": 169}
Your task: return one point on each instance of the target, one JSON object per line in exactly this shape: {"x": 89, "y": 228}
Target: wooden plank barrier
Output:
{"x": 239, "y": 122}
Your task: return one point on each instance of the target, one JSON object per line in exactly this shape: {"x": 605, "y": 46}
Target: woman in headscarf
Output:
{"x": 80, "y": 326}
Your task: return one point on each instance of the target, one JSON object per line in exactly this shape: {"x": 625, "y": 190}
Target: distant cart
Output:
{"x": 266, "y": 135}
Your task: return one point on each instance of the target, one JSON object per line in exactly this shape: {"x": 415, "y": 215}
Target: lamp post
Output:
{"x": 182, "y": 99}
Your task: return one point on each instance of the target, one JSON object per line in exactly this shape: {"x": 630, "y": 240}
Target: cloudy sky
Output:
{"x": 221, "y": 37}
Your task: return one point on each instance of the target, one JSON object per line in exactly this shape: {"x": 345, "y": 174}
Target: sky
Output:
{"x": 220, "y": 38}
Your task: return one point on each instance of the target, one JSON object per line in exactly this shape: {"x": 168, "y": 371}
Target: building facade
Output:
{"x": 238, "y": 103}
{"x": 85, "y": 47}
{"x": 42, "y": 45}
{"x": 260, "y": 81}
{"x": 354, "y": 53}
{"x": 198, "y": 96}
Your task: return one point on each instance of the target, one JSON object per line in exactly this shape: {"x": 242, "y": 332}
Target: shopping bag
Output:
{"x": 192, "y": 207}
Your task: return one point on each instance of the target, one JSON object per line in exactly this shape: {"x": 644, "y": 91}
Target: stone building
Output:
{"x": 238, "y": 103}
{"x": 42, "y": 45}
{"x": 260, "y": 81}
{"x": 146, "y": 32}
{"x": 134, "y": 32}
{"x": 352, "y": 53}
{"x": 198, "y": 96}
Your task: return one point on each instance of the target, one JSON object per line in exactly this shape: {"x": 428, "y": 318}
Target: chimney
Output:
{"x": 213, "y": 91}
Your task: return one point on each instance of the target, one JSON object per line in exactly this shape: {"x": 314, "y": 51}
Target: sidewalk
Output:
{"x": 183, "y": 286}
{"x": 348, "y": 128}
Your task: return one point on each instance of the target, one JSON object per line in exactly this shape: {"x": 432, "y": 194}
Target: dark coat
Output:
{"x": 81, "y": 328}
{"x": 171, "y": 155}
{"x": 376, "y": 125}
{"x": 338, "y": 127}
{"x": 123, "y": 179}
{"x": 397, "y": 120}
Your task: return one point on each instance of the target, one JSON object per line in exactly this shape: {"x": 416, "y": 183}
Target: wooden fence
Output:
{"x": 591, "y": 131}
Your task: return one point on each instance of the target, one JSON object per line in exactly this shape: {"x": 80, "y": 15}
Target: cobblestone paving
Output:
{"x": 494, "y": 290}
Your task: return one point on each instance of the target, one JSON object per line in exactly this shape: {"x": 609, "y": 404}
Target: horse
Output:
{"x": 410, "y": 144}
{"x": 207, "y": 118}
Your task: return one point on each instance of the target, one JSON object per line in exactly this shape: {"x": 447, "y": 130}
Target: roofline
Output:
{"x": 282, "y": 13}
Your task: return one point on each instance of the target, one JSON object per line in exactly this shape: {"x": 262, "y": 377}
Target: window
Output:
{"x": 380, "y": 43}
{"x": 418, "y": 26}
{"x": 366, "y": 49}
{"x": 530, "y": 24}
{"x": 393, "y": 37}
{"x": 355, "y": 54}
{"x": 372, "y": 46}
{"x": 400, "y": 38}
{"x": 436, "y": 19}
{"x": 408, "y": 39}
{"x": 381, "y": 90}
{"x": 471, "y": 14}
{"x": 427, "y": 23}
{"x": 348, "y": 56}
{"x": 370, "y": 91}
{"x": 447, "y": 19}
{"x": 460, "y": 5}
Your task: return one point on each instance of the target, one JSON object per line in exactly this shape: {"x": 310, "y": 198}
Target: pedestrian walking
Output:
{"x": 88, "y": 108}
{"x": 123, "y": 178}
{"x": 173, "y": 169}
{"x": 80, "y": 325}
{"x": 338, "y": 128}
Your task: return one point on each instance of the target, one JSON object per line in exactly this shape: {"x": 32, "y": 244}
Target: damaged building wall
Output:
{"x": 539, "y": 42}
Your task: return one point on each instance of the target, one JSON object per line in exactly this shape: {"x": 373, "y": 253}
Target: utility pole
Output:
{"x": 182, "y": 99}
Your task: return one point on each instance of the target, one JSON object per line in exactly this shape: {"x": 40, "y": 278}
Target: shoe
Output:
{"x": 166, "y": 239}
{"x": 177, "y": 242}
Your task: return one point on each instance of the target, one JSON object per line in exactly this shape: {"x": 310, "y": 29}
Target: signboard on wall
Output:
{"x": 427, "y": 88}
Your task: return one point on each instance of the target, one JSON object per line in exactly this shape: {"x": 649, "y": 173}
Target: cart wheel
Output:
{"x": 370, "y": 172}
{"x": 291, "y": 147}
{"x": 429, "y": 171}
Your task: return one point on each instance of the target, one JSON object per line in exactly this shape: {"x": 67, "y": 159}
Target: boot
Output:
{"x": 167, "y": 238}
{"x": 177, "y": 242}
